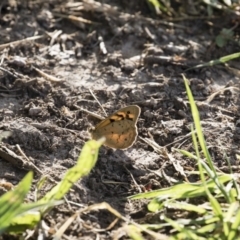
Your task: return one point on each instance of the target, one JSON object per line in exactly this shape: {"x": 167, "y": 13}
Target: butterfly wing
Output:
{"x": 119, "y": 129}
{"x": 120, "y": 135}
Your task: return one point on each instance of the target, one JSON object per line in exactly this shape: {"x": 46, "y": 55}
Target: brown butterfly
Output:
{"x": 119, "y": 129}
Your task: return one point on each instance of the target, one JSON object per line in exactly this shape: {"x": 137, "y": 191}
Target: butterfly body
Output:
{"x": 119, "y": 129}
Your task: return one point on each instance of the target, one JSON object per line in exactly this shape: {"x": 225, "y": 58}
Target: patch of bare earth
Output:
{"x": 125, "y": 55}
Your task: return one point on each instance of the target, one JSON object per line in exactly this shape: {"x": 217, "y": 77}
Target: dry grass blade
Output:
{"x": 14, "y": 43}
{"x": 73, "y": 18}
{"x": 105, "y": 205}
{"x": 47, "y": 76}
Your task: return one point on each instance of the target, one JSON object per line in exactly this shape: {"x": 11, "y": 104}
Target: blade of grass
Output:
{"x": 29, "y": 216}
{"x": 185, "y": 233}
{"x": 85, "y": 163}
{"x": 236, "y": 186}
{"x": 211, "y": 172}
{"x": 29, "y": 219}
{"x": 182, "y": 190}
{"x": 234, "y": 227}
{"x": 10, "y": 202}
{"x": 134, "y": 232}
{"x": 198, "y": 127}
{"x": 201, "y": 139}
{"x": 217, "y": 61}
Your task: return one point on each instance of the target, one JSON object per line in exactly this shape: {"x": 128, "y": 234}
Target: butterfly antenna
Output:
{"x": 97, "y": 101}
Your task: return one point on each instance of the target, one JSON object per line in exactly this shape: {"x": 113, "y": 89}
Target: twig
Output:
{"x": 139, "y": 189}
{"x": 8, "y": 72}
{"x": 17, "y": 161}
{"x": 211, "y": 97}
{"x": 97, "y": 101}
{"x": 90, "y": 113}
{"x": 74, "y": 18}
{"x": 47, "y": 76}
{"x": 105, "y": 205}
{"x": 2, "y": 46}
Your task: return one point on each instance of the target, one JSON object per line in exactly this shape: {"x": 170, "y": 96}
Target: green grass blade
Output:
{"x": 10, "y": 202}
{"x": 201, "y": 139}
{"x": 187, "y": 153}
{"x": 185, "y": 233}
{"x": 217, "y": 61}
{"x": 182, "y": 190}
{"x": 29, "y": 216}
{"x": 18, "y": 216}
{"x": 198, "y": 127}
{"x": 85, "y": 163}
{"x": 134, "y": 232}
{"x": 234, "y": 228}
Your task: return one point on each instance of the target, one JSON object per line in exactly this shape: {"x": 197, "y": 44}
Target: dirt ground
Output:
{"x": 124, "y": 54}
